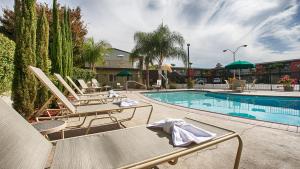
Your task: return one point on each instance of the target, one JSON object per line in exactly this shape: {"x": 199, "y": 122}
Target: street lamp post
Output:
{"x": 233, "y": 53}
{"x": 188, "y": 61}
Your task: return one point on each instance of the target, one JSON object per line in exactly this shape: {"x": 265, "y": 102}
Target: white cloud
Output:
{"x": 269, "y": 27}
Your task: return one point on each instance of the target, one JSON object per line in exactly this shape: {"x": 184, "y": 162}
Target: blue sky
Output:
{"x": 270, "y": 28}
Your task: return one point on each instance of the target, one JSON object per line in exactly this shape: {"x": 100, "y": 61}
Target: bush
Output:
{"x": 7, "y": 50}
{"x": 86, "y": 74}
{"x": 190, "y": 84}
{"x": 173, "y": 86}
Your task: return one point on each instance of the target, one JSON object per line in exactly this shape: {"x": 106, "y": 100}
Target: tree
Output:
{"x": 64, "y": 46}
{"x": 78, "y": 27}
{"x": 8, "y": 24}
{"x": 69, "y": 44}
{"x": 56, "y": 45}
{"x": 143, "y": 51}
{"x": 67, "y": 54}
{"x": 42, "y": 60}
{"x": 7, "y": 50}
{"x": 218, "y": 66}
{"x": 94, "y": 52}
{"x": 78, "y": 32}
{"x": 167, "y": 45}
{"x": 24, "y": 84}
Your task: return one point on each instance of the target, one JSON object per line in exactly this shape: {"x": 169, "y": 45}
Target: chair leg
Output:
{"x": 239, "y": 153}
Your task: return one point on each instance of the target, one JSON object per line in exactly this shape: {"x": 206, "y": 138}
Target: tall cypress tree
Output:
{"x": 70, "y": 44}
{"x": 42, "y": 60}
{"x": 56, "y": 46}
{"x": 24, "y": 83}
{"x": 64, "y": 45}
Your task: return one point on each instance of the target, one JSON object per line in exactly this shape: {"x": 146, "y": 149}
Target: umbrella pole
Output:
{"x": 239, "y": 74}
{"x": 234, "y": 73}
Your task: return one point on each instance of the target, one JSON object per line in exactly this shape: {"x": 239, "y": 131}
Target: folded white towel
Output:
{"x": 128, "y": 103}
{"x": 183, "y": 134}
{"x": 112, "y": 93}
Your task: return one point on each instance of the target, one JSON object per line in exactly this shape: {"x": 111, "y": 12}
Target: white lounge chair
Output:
{"x": 252, "y": 85}
{"x": 157, "y": 85}
{"x": 119, "y": 86}
{"x": 84, "y": 110}
{"x": 86, "y": 88}
{"x": 103, "y": 98}
{"x": 96, "y": 84}
{"x": 75, "y": 86}
{"x": 227, "y": 84}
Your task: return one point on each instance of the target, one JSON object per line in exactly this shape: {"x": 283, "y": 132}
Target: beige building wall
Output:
{"x": 117, "y": 59}
{"x": 115, "y": 62}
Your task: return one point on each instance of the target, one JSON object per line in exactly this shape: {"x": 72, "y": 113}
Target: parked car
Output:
{"x": 201, "y": 81}
{"x": 217, "y": 80}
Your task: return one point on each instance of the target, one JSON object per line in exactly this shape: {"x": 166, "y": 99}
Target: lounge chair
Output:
{"x": 75, "y": 86}
{"x": 86, "y": 98}
{"x": 22, "y": 146}
{"x": 252, "y": 85}
{"x": 228, "y": 86}
{"x": 96, "y": 84}
{"x": 238, "y": 85}
{"x": 85, "y": 87}
{"x": 119, "y": 86}
{"x": 84, "y": 110}
{"x": 157, "y": 85}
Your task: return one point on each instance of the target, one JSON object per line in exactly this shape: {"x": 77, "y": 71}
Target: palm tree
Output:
{"x": 143, "y": 51}
{"x": 94, "y": 52}
{"x": 157, "y": 46}
{"x": 167, "y": 45}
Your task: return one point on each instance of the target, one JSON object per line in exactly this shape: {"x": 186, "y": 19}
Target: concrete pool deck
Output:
{"x": 266, "y": 145}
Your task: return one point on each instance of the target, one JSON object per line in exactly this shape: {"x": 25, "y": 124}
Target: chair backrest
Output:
{"x": 67, "y": 86}
{"x": 53, "y": 89}
{"x": 118, "y": 84}
{"x": 95, "y": 82}
{"x": 253, "y": 83}
{"x": 82, "y": 83}
{"x": 21, "y": 145}
{"x": 226, "y": 81}
{"x": 73, "y": 84}
{"x": 158, "y": 82}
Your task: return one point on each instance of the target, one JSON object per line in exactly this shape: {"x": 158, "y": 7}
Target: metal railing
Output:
{"x": 275, "y": 87}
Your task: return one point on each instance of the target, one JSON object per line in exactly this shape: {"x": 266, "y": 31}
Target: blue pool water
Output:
{"x": 285, "y": 110}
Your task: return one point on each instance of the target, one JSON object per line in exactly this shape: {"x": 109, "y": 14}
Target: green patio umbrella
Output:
{"x": 240, "y": 65}
{"x": 124, "y": 73}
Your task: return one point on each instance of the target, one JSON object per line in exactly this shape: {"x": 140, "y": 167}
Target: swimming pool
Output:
{"x": 285, "y": 110}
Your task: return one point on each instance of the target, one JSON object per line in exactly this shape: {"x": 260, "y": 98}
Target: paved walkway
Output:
{"x": 264, "y": 146}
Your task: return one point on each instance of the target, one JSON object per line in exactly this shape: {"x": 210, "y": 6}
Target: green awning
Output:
{"x": 124, "y": 73}
{"x": 240, "y": 65}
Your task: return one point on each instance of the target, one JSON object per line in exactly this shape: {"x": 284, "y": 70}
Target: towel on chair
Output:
{"x": 128, "y": 103}
{"x": 112, "y": 93}
{"x": 183, "y": 134}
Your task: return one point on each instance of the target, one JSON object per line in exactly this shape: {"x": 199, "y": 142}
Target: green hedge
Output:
{"x": 86, "y": 74}
{"x": 7, "y": 50}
